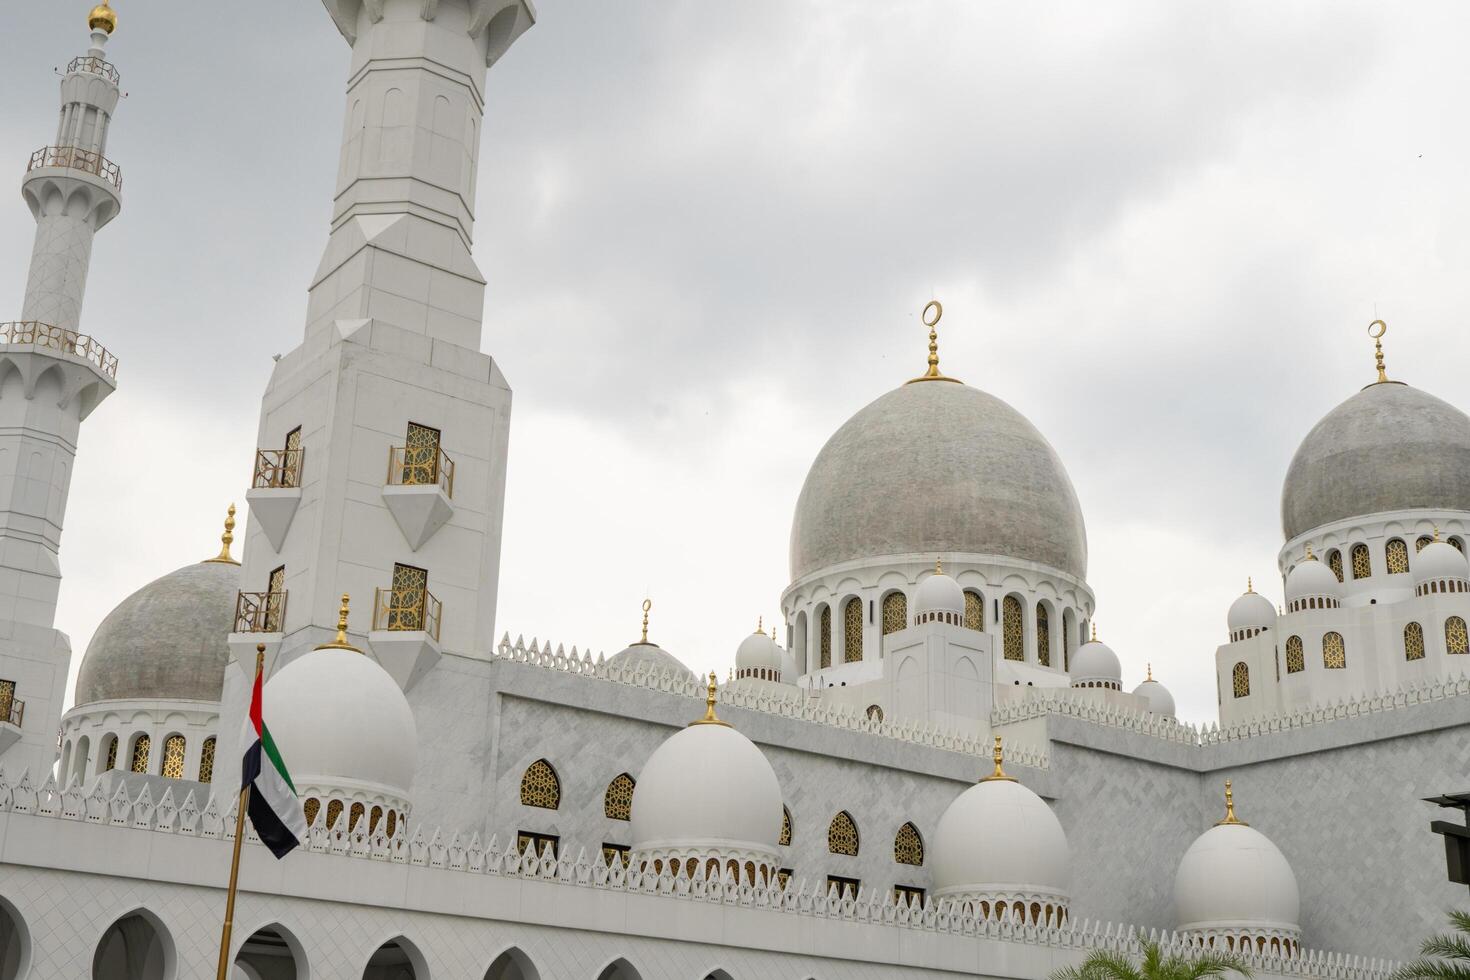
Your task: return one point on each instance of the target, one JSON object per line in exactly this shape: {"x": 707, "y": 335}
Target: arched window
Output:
{"x": 173, "y": 757}
{"x": 842, "y": 835}
{"x": 206, "y": 761}
{"x": 1012, "y": 635}
{"x": 1043, "y": 636}
{"x": 974, "y": 611}
{"x": 908, "y": 846}
{"x": 1458, "y": 545}
{"x": 1456, "y": 640}
{"x": 354, "y": 815}
{"x": 617, "y": 802}
{"x": 140, "y": 754}
{"x": 310, "y": 809}
{"x": 1240, "y": 679}
{"x": 1396, "y": 555}
{"x": 785, "y": 840}
{"x": 111, "y": 763}
{"x": 334, "y": 813}
{"x": 895, "y": 612}
{"x": 540, "y": 787}
{"x": 1334, "y": 654}
{"x": 852, "y": 631}
{"x": 1334, "y": 562}
{"x": 1413, "y": 642}
{"x": 1362, "y": 563}
{"x": 826, "y": 637}
{"x": 1423, "y": 540}
{"x": 875, "y": 712}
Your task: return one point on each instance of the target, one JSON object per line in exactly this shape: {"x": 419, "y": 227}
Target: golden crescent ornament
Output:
{"x": 1382, "y": 329}
{"x": 938, "y": 309}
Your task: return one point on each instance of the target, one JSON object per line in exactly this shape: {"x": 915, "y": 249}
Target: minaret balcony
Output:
{"x": 76, "y": 158}
{"x": 275, "y": 491}
{"x": 260, "y": 619}
{"x": 405, "y": 634}
{"x": 407, "y": 610}
{"x": 278, "y": 469}
{"x": 34, "y": 333}
{"x": 94, "y": 66}
{"x": 419, "y": 491}
{"x": 12, "y": 713}
{"x": 413, "y": 466}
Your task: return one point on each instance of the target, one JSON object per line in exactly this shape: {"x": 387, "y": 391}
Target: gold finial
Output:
{"x": 339, "y": 642}
{"x": 709, "y": 706}
{"x": 760, "y": 626}
{"x": 1249, "y": 586}
{"x": 1094, "y": 632}
{"x": 1230, "y": 817}
{"x": 932, "y": 312}
{"x": 647, "y": 605}
{"x": 102, "y": 18}
{"x": 938, "y": 566}
{"x": 1382, "y": 328}
{"x": 997, "y": 755}
{"x": 226, "y": 539}
{"x": 1436, "y": 534}
{"x": 1310, "y": 556}
{"x": 1150, "y": 673}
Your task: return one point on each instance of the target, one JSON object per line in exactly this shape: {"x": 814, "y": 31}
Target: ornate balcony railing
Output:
{"x": 94, "y": 65}
{"x": 57, "y": 338}
{"x": 407, "y": 609}
{"x": 76, "y": 158}
{"x": 277, "y": 469}
{"x": 409, "y": 466}
{"x": 260, "y": 612}
{"x": 12, "y": 711}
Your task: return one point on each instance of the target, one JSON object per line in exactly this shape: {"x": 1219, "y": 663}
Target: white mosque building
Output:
{"x": 930, "y": 768}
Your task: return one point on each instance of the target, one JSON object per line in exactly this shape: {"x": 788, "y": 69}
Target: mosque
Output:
{"x": 930, "y": 767}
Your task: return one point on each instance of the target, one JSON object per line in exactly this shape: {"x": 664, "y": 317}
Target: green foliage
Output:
{"x": 1446, "y": 957}
{"x": 1207, "y": 964}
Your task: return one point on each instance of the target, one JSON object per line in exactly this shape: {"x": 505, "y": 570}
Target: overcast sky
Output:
{"x": 1159, "y": 230}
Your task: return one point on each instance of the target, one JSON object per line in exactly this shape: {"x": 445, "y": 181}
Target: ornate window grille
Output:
{"x": 974, "y": 611}
{"x": 8, "y": 702}
{"x": 280, "y": 468}
{"x": 310, "y": 809}
{"x": 852, "y": 630}
{"x": 408, "y": 605}
{"x": 1419, "y": 544}
{"x": 538, "y": 844}
{"x": 111, "y": 754}
{"x": 540, "y": 787}
{"x": 875, "y": 712}
{"x": 1362, "y": 563}
{"x": 173, "y": 757}
{"x": 392, "y": 823}
{"x": 1043, "y": 636}
{"x": 1396, "y": 555}
{"x": 421, "y": 462}
{"x": 375, "y": 816}
{"x": 1456, "y": 640}
{"x": 844, "y": 887}
{"x": 1334, "y": 654}
{"x": 140, "y": 754}
{"x": 910, "y": 895}
{"x": 895, "y": 612}
{"x": 262, "y": 612}
{"x": 1240, "y": 680}
{"x": 842, "y": 835}
{"x": 615, "y": 854}
{"x": 785, "y": 840}
{"x": 354, "y": 815}
{"x": 1334, "y": 562}
{"x": 908, "y": 846}
{"x": 617, "y": 802}
{"x": 1012, "y": 636}
{"x": 206, "y": 760}
{"x": 1413, "y": 642}
{"x": 826, "y": 637}
{"x": 334, "y": 813}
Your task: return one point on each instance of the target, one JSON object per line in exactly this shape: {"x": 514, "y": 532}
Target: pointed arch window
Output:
{"x": 1413, "y": 642}
{"x": 1334, "y": 653}
{"x": 540, "y": 787}
{"x": 334, "y": 813}
{"x": 974, "y": 611}
{"x": 173, "y": 757}
{"x": 1362, "y": 563}
{"x": 1043, "y": 636}
{"x": 842, "y": 835}
{"x": 1012, "y": 635}
{"x": 1456, "y": 640}
{"x": 206, "y": 761}
{"x": 310, "y": 809}
{"x": 1334, "y": 562}
{"x": 908, "y": 846}
{"x": 785, "y": 840}
{"x": 895, "y": 612}
{"x": 111, "y": 754}
{"x": 1240, "y": 679}
{"x": 140, "y": 754}
{"x": 826, "y": 637}
{"x": 354, "y": 815}
{"x": 1396, "y": 556}
{"x": 617, "y": 802}
{"x": 852, "y": 630}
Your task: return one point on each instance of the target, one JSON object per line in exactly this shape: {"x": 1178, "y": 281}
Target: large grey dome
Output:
{"x": 938, "y": 467}
{"x": 167, "y": 640}
{"x": 653, "y": 658}
{"x": 1389, "y": 447}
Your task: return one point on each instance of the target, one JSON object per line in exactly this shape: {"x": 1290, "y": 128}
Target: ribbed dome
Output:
{"x": 1389, "y": 447}
{"x": 938, "y": 468}
{"x": 653, "y": 657}
{"x": 165, "y": 641}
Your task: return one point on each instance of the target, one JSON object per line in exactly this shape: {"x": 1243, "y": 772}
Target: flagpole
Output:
{"x": 224, "y": 942}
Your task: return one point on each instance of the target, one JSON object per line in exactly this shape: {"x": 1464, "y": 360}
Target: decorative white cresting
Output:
{"x": 439, "y": 851}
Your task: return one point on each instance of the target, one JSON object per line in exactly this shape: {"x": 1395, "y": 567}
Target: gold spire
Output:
{"x": 1436, "y": 534}
{"x": 102, "y": 18}
{"x": 938, "y": 566}
{"x": 1378, "y": 346}
{"x": 1094, "y": 632}
{"x": 339, "y": 642}
{"x": 1310, "y": 556}
{"x": 709, "y": 706}
{"x": 226, "y": 539}
{"x": 1150, "y": 673}
{"x": 647, "y": 605}
{"x": 933, "y": 373}
{"x": 1230, "y": 817}
{"x": 1249, "y": 586}
{"x": 1000, "y": 774}
{"x": 760, "y": 626}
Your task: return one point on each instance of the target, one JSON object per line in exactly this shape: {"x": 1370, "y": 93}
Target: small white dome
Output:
{"x": 1234, "y": 880}
{"x": 1160, "y": 701}
{"x": 1312, "y": 578}
{"x": 939, "y": 593}
{"x": 999, "y": 837}
{"x": 758, "y": 651}
{"x": 707, "y": 791}
{"x": 1252, "y": 611}
{"x": 1095, "y": 662}
{"x": 342, "y": 723}
{"x": 1439, "y": 560}
{"x": 653, "y": 658}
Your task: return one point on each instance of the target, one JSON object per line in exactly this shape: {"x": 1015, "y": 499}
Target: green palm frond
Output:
{"x": 1426, "y": 969}
{"x": 1446, "y": 957}
{"x": 1111, "y": 965}
{"x": 1447, "y": 947}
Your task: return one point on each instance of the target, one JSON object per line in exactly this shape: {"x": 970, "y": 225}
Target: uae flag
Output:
{"x": 274, "y": 809}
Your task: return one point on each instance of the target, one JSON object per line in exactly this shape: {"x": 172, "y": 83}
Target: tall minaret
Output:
{"x": 51, "y": 377}
{"x": 380, "y": 470}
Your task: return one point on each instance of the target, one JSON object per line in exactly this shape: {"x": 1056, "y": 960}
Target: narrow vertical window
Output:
{"x": 420, "y": 456}
{"x": 895, "y": 612}
{"x": 1240, "y": 680}
{"x": 1362, "y": 563}
{"x": 826, "y": 637}
{"x": 1413, "y": 642}
{"x": 1396, "y": 556}
{"x": 1334, "y": 654}
{"x": 852, "y": 631}
{"x": 111, "y": 755}
{"x": 173, "y": 757}
{"x": 290, "y": 471}
{"x": 406, "y": 606}
{"x": 206, "y": 761}
{"x": 1456, "y": 640}
{"x": 1334, "y": 562}
{"x": 275, "y": 594}
{"x": 785, "y": 840}
{"x": 974, "y": 611}
{"x": 1043, "y": 636}
{"x": 1012, "y": 635}
{"x": 140, "y": 754}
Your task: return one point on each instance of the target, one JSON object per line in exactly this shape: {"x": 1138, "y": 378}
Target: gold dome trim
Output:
{"x": 228, "y": 538}
{"x": 709, "y": 706}
{"x": 339, "y": 642}
{"x": 933, "y": 373}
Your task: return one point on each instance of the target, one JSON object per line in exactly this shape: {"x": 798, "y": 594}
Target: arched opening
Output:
{"x": 1043, "y": 635}
{"x": 842, "y": 835}
{"x": 271, "y": 953}
{"x": 397, "y": 959}
{"x": 852, "y": 630}
{"x": 974, "y": 611}
{"x": 1334, "y": 653}
{"x": 79, "y": 760}
{"x": 15, "y": 943}
{"x": 1396, "y": 556}
{"x": 824, "y": 638}
{"x": 540, "y": 787}
{"x": 718, "y": 975}
{"x": 617, "y": 802}
{"x": 1413, "y": 642}
{"x": 142, "y": 744}
{"x": 1240, "y": 680}
{"x": 1456, "y": 640}
{"x": 799, "y": 644}
{"x": 1457, "y": 544}
{"x": 108, "y": 757}
{"x": 785, "y": 840}
{"x": 512, "y": 965}
{"x": 895, "y": 612}
{"x": 1419, "y": 544}
{"x": 908, "y": 846}
{"x": 619, "y": 969}
{"x": 1069, "y": 630}
{"x": 1013, "y": 635}
{"x": 1362, "y": 562}
{"x": 173, "y": 757}
{"x": 206, "y": 761}
{"x": 1334, "y": 562}
{"x": 135, "y": 947}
